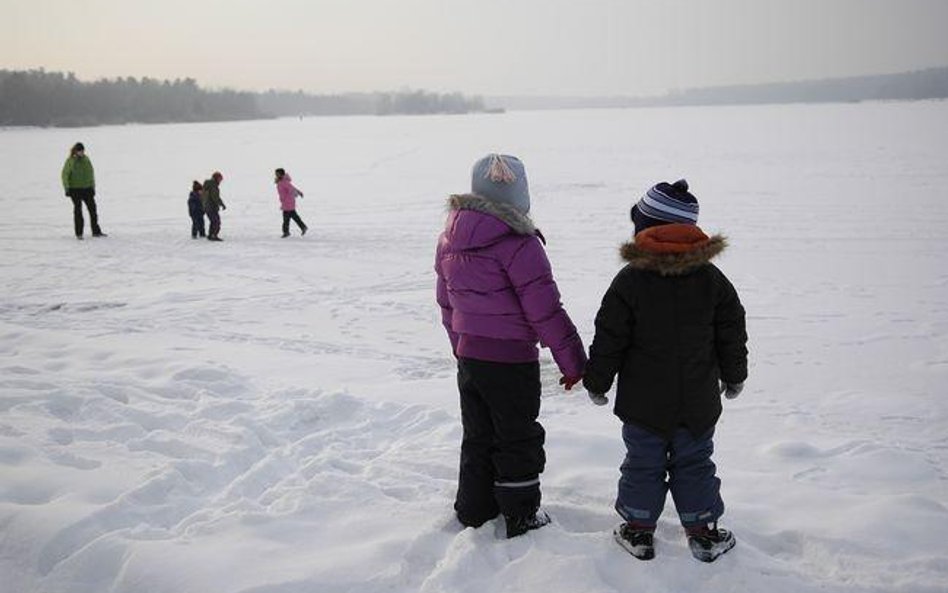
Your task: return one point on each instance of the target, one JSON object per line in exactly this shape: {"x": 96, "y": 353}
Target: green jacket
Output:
{"x": 211, "y": 196}
{"x": 78, "y": 173}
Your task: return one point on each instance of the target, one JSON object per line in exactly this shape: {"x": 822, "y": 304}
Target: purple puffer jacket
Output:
{"x": 496, "y": 288}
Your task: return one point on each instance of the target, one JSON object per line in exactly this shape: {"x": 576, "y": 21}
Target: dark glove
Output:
{"x": 731, "y": 390}
{"x": 599, "y": 399}
{"x": 568, "y": 382}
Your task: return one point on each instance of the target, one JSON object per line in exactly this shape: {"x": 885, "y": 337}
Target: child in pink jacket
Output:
{"x": 288, "y": 193}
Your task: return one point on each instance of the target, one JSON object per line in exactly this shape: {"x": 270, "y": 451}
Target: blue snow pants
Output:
{"x": 685, "y": 461}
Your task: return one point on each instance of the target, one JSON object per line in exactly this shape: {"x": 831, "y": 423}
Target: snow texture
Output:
{"x": 271, "y": 415}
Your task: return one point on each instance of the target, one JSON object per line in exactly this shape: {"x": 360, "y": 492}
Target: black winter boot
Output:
{"x": 638, "y": 541}
{"x": 708, "y": 542}
{"x": 522, "y": 524}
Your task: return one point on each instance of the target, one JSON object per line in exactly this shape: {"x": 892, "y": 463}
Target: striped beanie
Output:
{"x": 665, "y": 204}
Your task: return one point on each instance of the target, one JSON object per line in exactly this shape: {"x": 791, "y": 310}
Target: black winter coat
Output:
{"x": 195, "y": 209}
{"x": 672, "y": 326}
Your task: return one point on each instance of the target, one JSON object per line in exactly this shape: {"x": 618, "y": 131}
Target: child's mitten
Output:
{"x": 732, "y": 390}
{"x": 599, "y": 399}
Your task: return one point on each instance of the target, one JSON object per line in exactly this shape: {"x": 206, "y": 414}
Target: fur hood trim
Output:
{"x": 515, "y": 219}
{"x": 672, "y": 263}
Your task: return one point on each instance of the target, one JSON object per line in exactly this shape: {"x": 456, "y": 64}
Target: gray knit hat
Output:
{"x": 501, "y": 178}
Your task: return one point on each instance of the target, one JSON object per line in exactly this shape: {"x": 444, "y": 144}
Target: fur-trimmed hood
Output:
{"x": 515, "y": 219}
{"x": 672, "y": 249}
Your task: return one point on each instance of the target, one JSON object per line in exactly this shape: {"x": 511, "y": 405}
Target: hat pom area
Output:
{"x": 665, "y": 203}
{"x": 501, "y": 178}
{"x": 498, "y": 170}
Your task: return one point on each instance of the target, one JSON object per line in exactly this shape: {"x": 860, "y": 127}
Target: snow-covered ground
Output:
{"x": 280, "y": 416}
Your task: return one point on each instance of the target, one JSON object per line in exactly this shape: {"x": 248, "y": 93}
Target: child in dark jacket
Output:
{"x": 196, "y": 210}
{"x": 498, "y": 298}
{"x": 672, "y": 326}
{"x": 212, "y": 203}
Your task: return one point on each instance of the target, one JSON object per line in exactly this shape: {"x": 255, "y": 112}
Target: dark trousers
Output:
{"x": 502, "y": 448}
{"x": 87, "y": 196}
{"x": 287, "y": 216}
{"x": 197, "y": 225}
{"x": 685, "y": 460}
{"x": 215, "y": 218}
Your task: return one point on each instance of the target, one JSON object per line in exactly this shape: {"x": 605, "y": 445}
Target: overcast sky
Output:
{"x": 492, "y": 47}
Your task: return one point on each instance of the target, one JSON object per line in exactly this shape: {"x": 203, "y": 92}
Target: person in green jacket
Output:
{"x": 79, "y": 184}
{"x": 212, "y": 203}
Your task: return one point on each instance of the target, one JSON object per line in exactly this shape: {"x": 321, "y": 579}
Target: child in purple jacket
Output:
{"x": 498, "y": 299}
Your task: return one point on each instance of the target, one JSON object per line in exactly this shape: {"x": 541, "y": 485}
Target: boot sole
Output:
{"x": 640, "y": 552}
{"x": 709, "y": 555}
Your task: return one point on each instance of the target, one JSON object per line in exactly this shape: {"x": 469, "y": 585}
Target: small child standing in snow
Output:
{"x": 498, "y": 298}
{"x": 212, "y": 203}
{"x": 288, "y": 194}
{"x": 672, "y": 326}
{"x": 196, "y": 210}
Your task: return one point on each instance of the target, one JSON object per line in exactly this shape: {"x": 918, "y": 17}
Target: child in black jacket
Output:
{"x": 672, "y": 326}
{"x": 196, "y": 210}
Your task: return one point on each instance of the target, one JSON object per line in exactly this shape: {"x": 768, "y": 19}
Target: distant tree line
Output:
{"x": 282, "y": 103}
{"x": 931, "y": 83}
{"x": 40, "y": 98}
{"x": 907, "y": 86}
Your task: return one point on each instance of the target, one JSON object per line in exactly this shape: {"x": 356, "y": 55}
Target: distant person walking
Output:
{"x": 213, "y": 204}
{"x": 79, "y": 184}
{"x": 288, "y": 193}
{"x": 196, "y": 210}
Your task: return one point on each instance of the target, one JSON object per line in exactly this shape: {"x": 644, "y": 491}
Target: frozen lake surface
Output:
{"x": 271, "y": 415}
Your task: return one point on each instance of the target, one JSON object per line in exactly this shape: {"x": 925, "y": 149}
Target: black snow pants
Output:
{"x": 291, "y": 215}
{"x": 197, "y": 225}
{"x": 87, "y": 196}
{"x": 502, "y": 448}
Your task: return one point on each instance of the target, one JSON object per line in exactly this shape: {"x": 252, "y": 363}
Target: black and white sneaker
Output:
{"x": 520, "y": 525}
{"x": 638, "y": 542}
{"x": 709, "y": 542}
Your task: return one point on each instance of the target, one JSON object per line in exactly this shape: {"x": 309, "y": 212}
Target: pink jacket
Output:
{"x": 288, "y": 193}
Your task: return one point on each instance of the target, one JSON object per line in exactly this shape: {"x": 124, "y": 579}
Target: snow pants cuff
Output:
{"x": 643, "y": 517}
{"x": 518, "y": 499}
{"x": 710, "y": 515}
